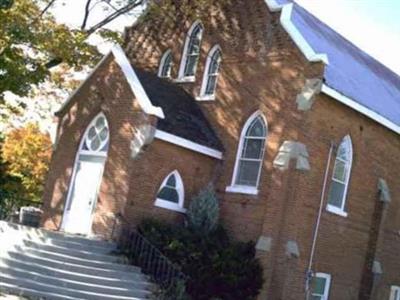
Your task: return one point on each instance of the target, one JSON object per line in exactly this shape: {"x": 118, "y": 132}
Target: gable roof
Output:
{"x": 351, "y": 76}
{"x": 183, "y": 116}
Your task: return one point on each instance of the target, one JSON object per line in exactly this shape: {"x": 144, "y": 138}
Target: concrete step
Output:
{"x": 76, "y": 285}
{"x": 133, "y": 279}
{"x": 32, "y": 293}
{"x": 71, "y": 252}
{"x": 48, "y": 288}
{"x": 117, "y": 270}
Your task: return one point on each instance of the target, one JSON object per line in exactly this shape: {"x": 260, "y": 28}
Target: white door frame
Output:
{"x": 80, "y": 151}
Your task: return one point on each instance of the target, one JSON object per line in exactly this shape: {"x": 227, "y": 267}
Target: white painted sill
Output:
{"x": 337, "y": 211}
{"x": 169, "y": 205}
{"x": 205, "y": 98}
{"x": 185, "y": 79}
{"x": 240, "y": 189}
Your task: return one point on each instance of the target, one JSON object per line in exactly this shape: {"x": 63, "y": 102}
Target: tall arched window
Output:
{"x": 340, "y": 177}
{"x": 164, "y": 70}
{"x": 249, "y": 159}
{"x": 171, "y": 193}
{"x": 191, "y": 52}
{"x": 211, "y": 73}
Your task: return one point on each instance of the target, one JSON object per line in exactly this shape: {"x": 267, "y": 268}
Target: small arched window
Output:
{"x": 165, "y": 67}
{"x": 171, "y": 193}
{"x": 340, "y": 177}
{"x": 250, "y": 156}
{"x": 191, "y": 52}
{"x": 211, "y": 73}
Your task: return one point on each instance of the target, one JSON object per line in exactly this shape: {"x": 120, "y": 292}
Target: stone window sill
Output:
{"x": 169, "y": 205}
{"x": 336, "y": 211}
{"x": 187, "y": 79}
{"x": 242, "y": 190}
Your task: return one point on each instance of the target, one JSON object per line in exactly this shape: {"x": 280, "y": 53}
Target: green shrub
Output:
{"x": 217, "y": 267}
{"x": 203, "y": 212}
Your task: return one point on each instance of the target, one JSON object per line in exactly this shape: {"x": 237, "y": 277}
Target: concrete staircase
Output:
{"x": 42, "y": 264}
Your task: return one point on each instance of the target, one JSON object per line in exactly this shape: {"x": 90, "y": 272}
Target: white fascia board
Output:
{"x": 298, "y": 38}
{"x": 176, "y": 140}
{"x": 82, "y": 83}
{"x": 360, "y": 108}
{"x": 135, "y": 84}
{"x": 273, "y": 5}
{"x": 131, "y": 77}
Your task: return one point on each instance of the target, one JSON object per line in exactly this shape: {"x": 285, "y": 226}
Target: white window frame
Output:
{"x": 393, "y": 290}
{"x": 181, "y": 73}
{"x": 243, "y": 189}
{"x": 162, "y": 64}
{"x": 181, "y": 194}
{"x": 327, "y": 277}
{"x": 206, "y": 76}
{"x": 348, "y": 165}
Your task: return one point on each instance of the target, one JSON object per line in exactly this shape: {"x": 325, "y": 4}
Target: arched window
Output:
{"x": 165, "y": 67}
{"x": 340, "y": 177}
{"x": 96, "y": 138}
{"x": 211, "y": 73}
{"x": 191, "y": 52}
{"x": 246, "y": 175}
{"x": 171, "y": 193}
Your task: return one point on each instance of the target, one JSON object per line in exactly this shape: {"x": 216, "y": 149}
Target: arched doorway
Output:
{"x": 86, "y": 177}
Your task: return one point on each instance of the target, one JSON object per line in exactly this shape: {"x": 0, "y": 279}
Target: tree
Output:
{"x": 26, "y": 154}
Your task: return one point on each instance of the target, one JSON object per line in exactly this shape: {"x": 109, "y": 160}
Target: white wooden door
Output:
{"x": 83, "y": 196}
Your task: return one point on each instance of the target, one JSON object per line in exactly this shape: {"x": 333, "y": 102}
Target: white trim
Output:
{"x": 133, "y": 81}
{"x": 187, "y": 79}
{"x": 179, "y": 189}
{"x": 235, "y": 188}
{"x": 181, "y": 73}
{"x": 242, "y": 189}
{"x": 206, "y": 98}
{"x": 169, "y": 205}
{"x": 393, "y": 290}
{"x": 360, "y": 108}
{"x": 203, "y": 96}
{"x": 336, "y": 210}
{"x": 135, "y": 84}
{"x": 327, "y": 277}
{"x": 176, "y": 140}
{"x": 82, "y": 83}
{"x": 273, "y": 5}
{"x": 162, "y": 63}
{"x": 298, "y": 38}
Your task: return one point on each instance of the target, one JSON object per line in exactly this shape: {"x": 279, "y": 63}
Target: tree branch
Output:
{"x": 46, "y": 8}
{"x": 86, "y": 16}
{"x": 114, "y": 15}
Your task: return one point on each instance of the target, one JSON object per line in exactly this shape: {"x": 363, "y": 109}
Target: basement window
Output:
{"x": 395, "y": 293}
{"x": 320, "y": 286}
{"x": 171, "y": 193}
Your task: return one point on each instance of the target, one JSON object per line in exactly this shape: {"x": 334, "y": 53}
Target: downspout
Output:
{"x": 309, "y": 272}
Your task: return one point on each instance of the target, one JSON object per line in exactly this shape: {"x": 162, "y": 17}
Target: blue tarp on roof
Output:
{"x": 351, "y": 71}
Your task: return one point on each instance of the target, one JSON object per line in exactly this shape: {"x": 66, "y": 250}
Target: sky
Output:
{"x": 372, "y": 25}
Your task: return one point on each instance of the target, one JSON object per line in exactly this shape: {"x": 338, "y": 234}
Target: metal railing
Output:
{"x": 145, "y": 255}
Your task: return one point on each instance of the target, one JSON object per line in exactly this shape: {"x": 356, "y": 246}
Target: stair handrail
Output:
{"x": 142, "y": 253}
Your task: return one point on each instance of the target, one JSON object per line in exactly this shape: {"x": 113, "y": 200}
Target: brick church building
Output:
{"x": 297, "y": 129}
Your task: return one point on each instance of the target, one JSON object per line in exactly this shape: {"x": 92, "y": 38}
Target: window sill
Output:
{"x": 205, "y": 98}
{"x": 337, "y": 211}
{"x": 185, "y": 79}
{"x": 169, "y": 205}
{"x": 242, "y": 189}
